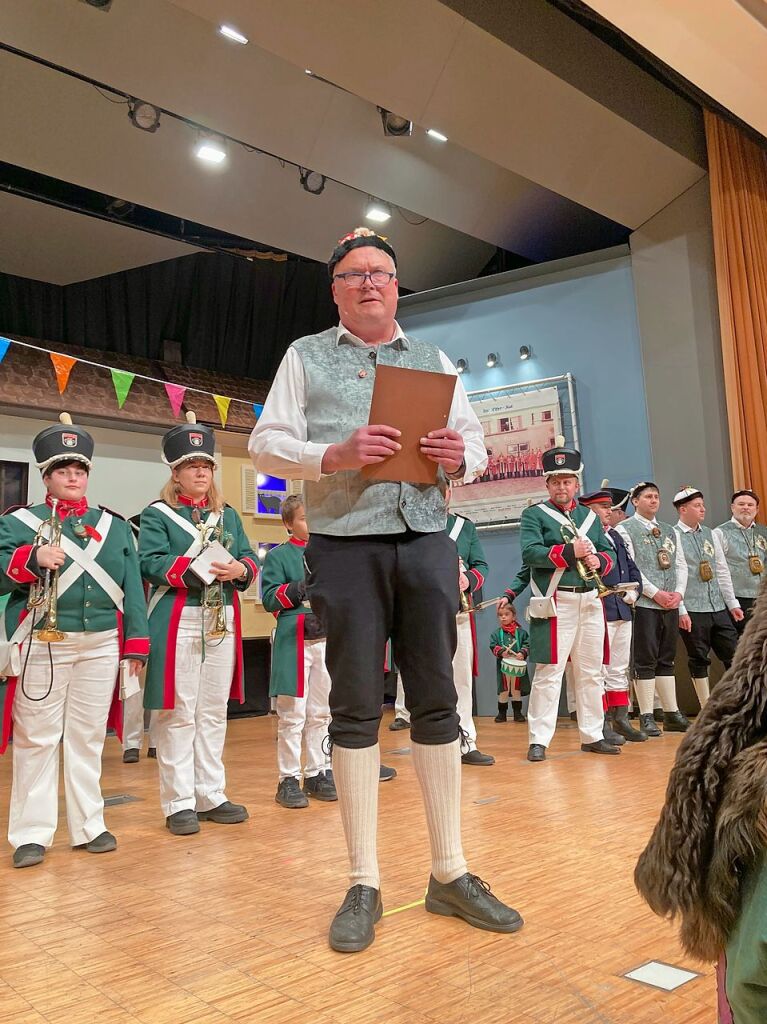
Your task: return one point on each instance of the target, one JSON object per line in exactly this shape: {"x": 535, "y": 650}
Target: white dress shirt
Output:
{"x": 279, "y": 446}
{"x": 649, "y": 590}
{"x": 721, "y": 569}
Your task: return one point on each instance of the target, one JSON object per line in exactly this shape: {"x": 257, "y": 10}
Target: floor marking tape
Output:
{"x": 407, "y": 906}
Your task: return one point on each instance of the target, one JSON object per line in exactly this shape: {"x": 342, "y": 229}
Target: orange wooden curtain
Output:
{"x": 738, "y": 179}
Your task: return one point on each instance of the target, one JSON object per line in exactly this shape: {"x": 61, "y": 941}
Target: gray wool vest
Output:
{"x": 646, "y": 556}
{"x": 738, "y": 545}
{"x": 700, "y": 595}
{"x": 339, "y": 387}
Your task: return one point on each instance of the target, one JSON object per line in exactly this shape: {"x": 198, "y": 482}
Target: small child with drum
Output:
{"x": 510, "y": 644}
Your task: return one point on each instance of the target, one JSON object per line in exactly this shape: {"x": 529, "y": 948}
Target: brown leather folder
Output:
{"x": 415, "y": 402}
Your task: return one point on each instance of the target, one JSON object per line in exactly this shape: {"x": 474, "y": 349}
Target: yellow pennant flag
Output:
{"x": 63, "y": 367}
{"x": 222, "y": 404}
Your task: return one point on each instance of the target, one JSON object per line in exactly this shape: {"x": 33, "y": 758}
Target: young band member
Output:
{"x": 195, "y": 630}
{"x": 76, "y": 607}
{"x": 709, "y": 606}
{"x": 380, "y": 564}
{"x": 744, "y": 542}
{"x": 299, "y": 678}
{"x": 659, "y": 557}
{"x": 557, "y": 537}
{"x": 510, "y": 644}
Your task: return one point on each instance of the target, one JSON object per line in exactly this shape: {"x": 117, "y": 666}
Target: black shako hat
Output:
{"x": 358, "y": 239}
{"x": 62, "y": 443}
{"x": 602, "y": 497}
{"x": 620, "y": 497}
{"x": 561, "y": 460}
{"x": 190, "y": 440}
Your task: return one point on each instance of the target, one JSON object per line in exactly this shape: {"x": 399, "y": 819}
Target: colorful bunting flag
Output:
{"x": 63, "y": 367}
{"x": 122, "y": 381}
{"x": 257, "y": 409}
{"x": 222, "y": 404}
{"x": 175, "y": 393}
{"x": 4, "y": 344}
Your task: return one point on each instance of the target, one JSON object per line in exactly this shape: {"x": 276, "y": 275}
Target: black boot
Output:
{"x": 610, "y": 735}
{"x": 517, "y": 706}
{"x": 622, "y": 725}
{"x": 674, "y": 721}
{"x": 503, "y": 710}
{"x": 648, "y": 726}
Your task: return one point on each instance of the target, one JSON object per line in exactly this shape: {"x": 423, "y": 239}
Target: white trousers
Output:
{"x": 464, "y": 682}
{"x": 580, "y": 636}
{"x": 133, "y": 723}
{"x": 616, "y": 674}
{"x": 190, "y": 737}
{"x": 305, "y": 718}
{"x": 74, "y": 714}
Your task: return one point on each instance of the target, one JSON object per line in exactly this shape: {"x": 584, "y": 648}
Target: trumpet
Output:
{"x": 590, "y": 576}
{"x": 44, "y": 593}
{"x": 213, "y": 597}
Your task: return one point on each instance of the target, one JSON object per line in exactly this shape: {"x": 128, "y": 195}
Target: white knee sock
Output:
{"x": 645, "y": 694}
{"x": 701, "y": 689}
{"x": 667, "y": 692}
{"x": 355, "y": 773}
{"x": 438, "y": 767}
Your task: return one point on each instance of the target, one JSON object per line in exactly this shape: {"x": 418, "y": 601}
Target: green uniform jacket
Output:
{"x": 746, "y": 952}
{"x": 283, "y": 593}
{"x": 162, "y": 548}
{"x": 473, "y": 557}
{"x": 519, "y": 642}
{"x": 544, "y": 551}
{"x": 84, "y": 606}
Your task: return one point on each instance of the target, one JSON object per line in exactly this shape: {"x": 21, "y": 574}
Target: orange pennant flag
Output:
{"x": 222, "y": 404}
{"x": 63, "y": 367}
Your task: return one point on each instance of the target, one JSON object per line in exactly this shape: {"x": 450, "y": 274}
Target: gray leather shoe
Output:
{"x": 104, "y": 843}
{"x": 320, "y": 787}
{"x": 131, "y": 755}
{"x": 353, "y": 927}
{"x": 386, "y": 774}
{"x": 183, "y": 823}
{"x": 477, "y": 757}
{"x": 28, "y": 855}
{"x": 536, "y": 752}
{"x": 289, "y": 794}
{"x": 600, "y": 747}
{"x": 648, "y": 726}
{"x": 398, "y": 724}
{"x": 675, "y": 721}
{"x": 226, "y": 813}
{"x": 471, "y": 899}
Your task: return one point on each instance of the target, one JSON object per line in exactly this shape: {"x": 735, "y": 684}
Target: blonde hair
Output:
{"x": 289, "y": 507}
{"x": 170, "y": 492}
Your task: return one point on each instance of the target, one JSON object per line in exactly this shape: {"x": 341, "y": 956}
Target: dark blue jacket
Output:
{"x": 623, "y": 571}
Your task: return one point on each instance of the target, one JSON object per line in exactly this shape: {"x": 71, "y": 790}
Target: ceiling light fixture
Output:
{"x": 233, "y": 34}
{"x": 462, "y": 365}
{"x": 492, "y": 359}
{"x": 210, "y": 149}
{"x": 436, "y": 135}
{"x": 144, "y": 115}
{"x": 377, "y": 212}
{"x": 395, "y": 124}
{"x": 525, "y": 352}
{"x": 311, "y": 181}
{"x": 307, "y": 71}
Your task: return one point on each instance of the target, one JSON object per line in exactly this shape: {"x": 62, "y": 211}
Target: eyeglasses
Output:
{"x": 356, "y": 279}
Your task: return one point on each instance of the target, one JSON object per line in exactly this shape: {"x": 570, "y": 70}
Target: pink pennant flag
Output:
{"x": 175, "y": 393}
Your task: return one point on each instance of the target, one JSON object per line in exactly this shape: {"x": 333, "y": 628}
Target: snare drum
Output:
{"x": 512, "y": 669}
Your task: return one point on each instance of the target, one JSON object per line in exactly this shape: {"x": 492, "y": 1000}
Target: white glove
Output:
{"x": 630, "y": 596}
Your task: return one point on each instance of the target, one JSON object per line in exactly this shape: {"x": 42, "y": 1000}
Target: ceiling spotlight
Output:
{"x": 120, "y": 208}
{"x": 308, "y": 71}
{"x": 525, "y": 352}
{"x": 311, "y": 181}
{"x": 436, "y": 135}
{"x": 462, "y": 365}
{"x": 233, "y": 34}
{"x": 144, "y": 115}
{"x": 492, "y": 359}
{"x": 377, "y": 212}
{"x": 101, "y": 5}
{"x": 395, "y": 124}
{"x": 211, "y": 149}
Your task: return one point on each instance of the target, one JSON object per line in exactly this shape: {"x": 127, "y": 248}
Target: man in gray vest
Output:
{"x": 705, "y": 622}
{"x": 744, "y": 542}
{"x": 379, "y": 564}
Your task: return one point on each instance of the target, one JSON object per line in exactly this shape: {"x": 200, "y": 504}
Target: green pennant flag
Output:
{"x": 122, "y": 381}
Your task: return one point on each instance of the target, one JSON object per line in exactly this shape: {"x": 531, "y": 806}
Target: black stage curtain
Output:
{"x": 230, "y": 315}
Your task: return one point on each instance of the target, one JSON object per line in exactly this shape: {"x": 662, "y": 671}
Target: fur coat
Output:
{"x": 713, "y": 825}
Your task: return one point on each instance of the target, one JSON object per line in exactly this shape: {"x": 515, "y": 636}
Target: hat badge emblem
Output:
{"x": 559, "y": 459}
{"x": 69, "y": 440}
{"x": 196, "y": 440}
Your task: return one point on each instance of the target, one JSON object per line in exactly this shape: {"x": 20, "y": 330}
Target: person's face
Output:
{"x": 617, "y": 515}
{"x": 67, "y": 483}
{"x": 744, "y": 509}
{"x": 603, "y": 514}
{"x": 648, "y": 503}
{"x": 692, "y": 513}
{"x": 562, "y": 488}
{"x": 194, "y": 478}
{"x": 369, "y": 304}
{"x": 506, "y": 615}
{"x": 299, "y": 526}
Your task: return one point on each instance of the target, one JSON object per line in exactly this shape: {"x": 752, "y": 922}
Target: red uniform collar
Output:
{"x": 562, "y": 508}
{"x": 510, "y": 629}
{"x": 68, "y": 508}
{"x": 183, "y": 500}
{"x": 297, "y": 542}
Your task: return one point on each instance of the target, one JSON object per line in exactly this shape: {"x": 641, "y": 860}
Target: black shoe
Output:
{"x": 622, "y": 725}
{"x": 536, "y": 752}
{"x": 469, "y": 898}
{"x": 517, "y": 706}
{"x": 600, "y": 747}
{"x": 353, "y": 927}
{"x": 289, "y": 794}
{"x": 131, "y": 755}
{"x": 477, "y": 757}
{"x": 399, "y": 723}
{"x": 152, "y": 752}
{"x": 610, "y": 735}
{"x": 104, "y": 843}
{"x": 503, "y": 711}
{"x": 183, "y": 823}
{"x": 573, "y": 716}
{"x": 648, "y": 726}
{"x": 321, "y": 787}
{"x": 657, "y": 714}
{"x": 226, "y": 813}
{"x": 28, "y": 855}
{"x": 386, "y": 774}
{"x": 674, "y": 721}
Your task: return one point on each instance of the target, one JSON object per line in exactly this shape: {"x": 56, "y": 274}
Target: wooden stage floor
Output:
{"x": 231, "y": 924}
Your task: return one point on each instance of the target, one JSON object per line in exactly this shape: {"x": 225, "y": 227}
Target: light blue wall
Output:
{"x": 582, "y": 320}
